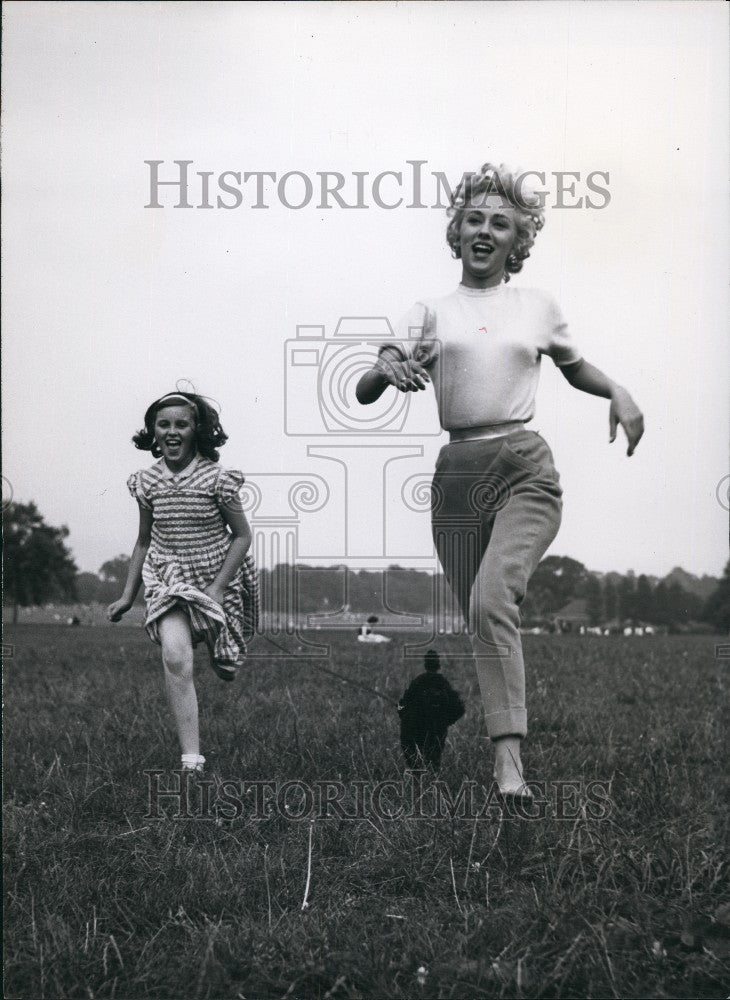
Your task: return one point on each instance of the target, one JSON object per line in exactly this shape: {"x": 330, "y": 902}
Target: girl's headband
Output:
{"x": 175, "y": 399}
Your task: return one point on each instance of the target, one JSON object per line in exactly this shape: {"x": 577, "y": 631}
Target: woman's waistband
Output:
{"x": 485, "y": 431}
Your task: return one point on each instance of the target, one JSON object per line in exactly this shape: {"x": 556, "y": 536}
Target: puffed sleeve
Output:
{"x": 413, "y": 338}
{"x": 560, "y": 346}
{"x": 228, "y": 486}
{"x": 136, "y": 486}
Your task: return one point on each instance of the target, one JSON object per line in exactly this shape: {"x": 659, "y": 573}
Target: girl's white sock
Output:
{"x": 192, "y": 762}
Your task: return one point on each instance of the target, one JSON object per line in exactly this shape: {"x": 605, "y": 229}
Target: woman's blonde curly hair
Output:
{"x": 501, "y": 181}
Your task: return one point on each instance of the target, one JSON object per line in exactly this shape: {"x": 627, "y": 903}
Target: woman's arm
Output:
{"x": 236, "y": 520}
{"x": 623, "y": 410}
{"x": 134, "y": 573}
{"x": 407, "y": 376}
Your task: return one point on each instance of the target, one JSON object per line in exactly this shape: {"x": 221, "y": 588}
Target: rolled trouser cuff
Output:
{"x": 508, "y": 722}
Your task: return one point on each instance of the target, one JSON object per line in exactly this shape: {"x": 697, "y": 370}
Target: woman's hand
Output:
{"x": 117, "y": 609}
{"x": 624, "y": 411}
{"x": 215, "y": 593}
{"x": 408, "y": 375}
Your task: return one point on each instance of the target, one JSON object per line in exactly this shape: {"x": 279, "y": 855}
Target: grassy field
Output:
{"x": 104, "y": 899}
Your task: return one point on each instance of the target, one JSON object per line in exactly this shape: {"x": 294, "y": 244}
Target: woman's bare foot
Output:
{"x": 508, "y": 771}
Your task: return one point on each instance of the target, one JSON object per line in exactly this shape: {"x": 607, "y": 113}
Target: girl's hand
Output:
{"x": 215, "y": 593}
{"x": 407, "y": 376}
{"x": 624, "y": 411}
{"x": 115, "y": 611}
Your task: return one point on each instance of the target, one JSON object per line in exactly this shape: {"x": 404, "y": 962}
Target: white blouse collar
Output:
{"x": 167, "y": 472}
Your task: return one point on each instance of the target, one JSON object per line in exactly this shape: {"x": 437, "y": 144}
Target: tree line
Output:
{"x": 39, "y": 567}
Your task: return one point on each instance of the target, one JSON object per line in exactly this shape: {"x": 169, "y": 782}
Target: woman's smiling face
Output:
{"x": 486, "y": 239}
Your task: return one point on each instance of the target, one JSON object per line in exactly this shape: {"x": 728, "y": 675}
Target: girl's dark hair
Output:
{"x": 209, "y": 435}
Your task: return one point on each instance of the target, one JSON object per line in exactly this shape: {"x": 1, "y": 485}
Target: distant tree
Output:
{"x": 409, "y": 591}
{"x": 610, "y": 600}
{"x": 295, "y": 590}
{"x": 627, "y": 597}
{"x": 115, "y": 570}
{"x": 662, "y": 610}
{"x": 594, "y": 600}
{"x": 555, "y": 581}
{"x": 717, "y": 607}
{"x": 683, "y": 607}
{"x": 37, "y": 564}
{"x": 87, "y": 587}
{"x": 366, "y": 590}
{"x": 111, "y": 579}
{"x": 644, "y": 600}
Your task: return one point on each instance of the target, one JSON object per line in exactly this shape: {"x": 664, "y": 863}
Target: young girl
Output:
{"x": 192, "y": 553}
{"x": 497, "y": 499}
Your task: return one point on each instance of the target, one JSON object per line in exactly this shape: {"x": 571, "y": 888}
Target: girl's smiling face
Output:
{"x": 175, "y": 435}
{"x": 486, "y": 239}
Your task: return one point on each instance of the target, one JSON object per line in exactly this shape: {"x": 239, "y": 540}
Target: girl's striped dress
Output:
{"x": 189, "y": 543}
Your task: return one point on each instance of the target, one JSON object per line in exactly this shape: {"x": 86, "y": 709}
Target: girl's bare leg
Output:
{"x": 177, "y": 659}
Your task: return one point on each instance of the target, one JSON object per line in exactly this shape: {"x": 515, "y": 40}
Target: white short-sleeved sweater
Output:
{"x": 482, "y": 349}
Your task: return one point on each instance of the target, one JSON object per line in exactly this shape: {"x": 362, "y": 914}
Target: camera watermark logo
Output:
{"x": 321, "y": 376}
{"x": 368, "y": 494}
{"x": 366, "y": 452}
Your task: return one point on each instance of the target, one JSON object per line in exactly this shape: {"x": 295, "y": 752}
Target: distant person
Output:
{"x": 427, "y": 709}
{"x": 497, "y": 499}
{"x": 365, "y": 632}
{"x": 192, "y": 553}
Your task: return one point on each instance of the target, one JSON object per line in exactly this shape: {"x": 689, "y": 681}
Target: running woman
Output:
{"x": 496, "y": 496}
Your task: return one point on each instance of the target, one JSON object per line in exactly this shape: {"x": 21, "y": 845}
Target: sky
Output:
{"x": 107, "y": 304}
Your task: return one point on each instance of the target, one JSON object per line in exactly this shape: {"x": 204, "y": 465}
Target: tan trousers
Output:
{"x": 496, "y": 507}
